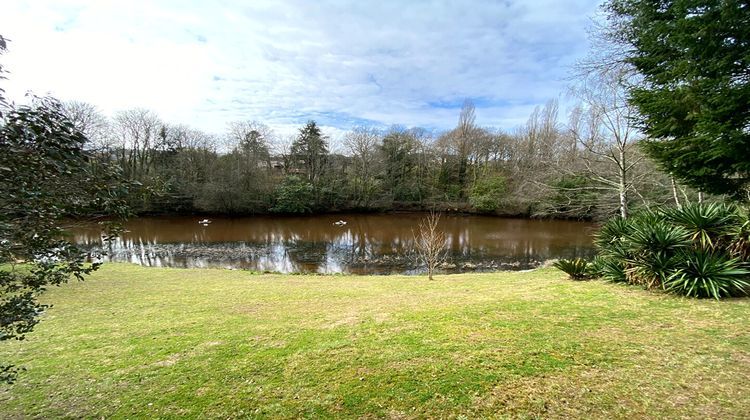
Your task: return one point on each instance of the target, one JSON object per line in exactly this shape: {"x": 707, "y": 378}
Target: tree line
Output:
{"x": 587, "y": 168}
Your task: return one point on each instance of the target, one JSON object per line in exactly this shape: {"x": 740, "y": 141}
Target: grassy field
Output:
{"x": 138, "y": 342}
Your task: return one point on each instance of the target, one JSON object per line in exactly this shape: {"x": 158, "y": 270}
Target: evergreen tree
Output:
{"x": 311, "y": 150}
{"x": 693, "y": 89}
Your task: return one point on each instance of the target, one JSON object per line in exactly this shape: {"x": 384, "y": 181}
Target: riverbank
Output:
{"x": 404, "y": 207}
{"x": 137, "y": 342}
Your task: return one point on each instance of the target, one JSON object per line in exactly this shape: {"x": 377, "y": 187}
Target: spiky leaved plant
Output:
{"x": 608, "y": 268}
{"x": 739, "y": 243}
{"x": 654, "y": 247}
{"x": 613, "y": 252}
{"x": 708, "y": 274}
{"x": 709, "y": 224}
{"x": 576, "y": 268}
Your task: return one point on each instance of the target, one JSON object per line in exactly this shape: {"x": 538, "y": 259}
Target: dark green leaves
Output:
{"x": 694, "y": 92}
{"x": 706, "y": 223}
{"x": 708, "y": 274}
{"x": 577, "y": 268}
{"x": 697, "y": 251}
{"x": 49, "y": 178}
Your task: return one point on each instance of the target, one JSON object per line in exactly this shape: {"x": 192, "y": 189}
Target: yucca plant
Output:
{"x": 608, "y": 268}
{"x": 652, "y": 270}
{"x": 612, "y": 250}
{"x": 576, "y": 268}
{"x": 701, "y": 250}
{"x": 652, "y": 235}
{"x": 653, "y": 246}
{"x": 708, "y": 224}
{"x": 708, "y": 274}
{"x": 612, "y": 231}
{"x": 739, "y": 242}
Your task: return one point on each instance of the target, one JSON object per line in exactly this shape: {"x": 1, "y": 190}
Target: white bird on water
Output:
{"x": 339, "y": 223}
{"x": 204, "y": 221}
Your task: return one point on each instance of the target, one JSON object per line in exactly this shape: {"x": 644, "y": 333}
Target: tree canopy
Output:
{"x": 311, "y": 148}
{"x": 46, "y": 178}
{"x": 693, "y": 86}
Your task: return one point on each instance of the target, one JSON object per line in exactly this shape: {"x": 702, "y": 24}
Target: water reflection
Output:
{"x": 367, "y": 244}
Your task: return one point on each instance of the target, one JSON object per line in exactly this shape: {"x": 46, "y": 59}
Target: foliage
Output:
{"x": 613, "y": 249}
{"x": 707, "y": 223}
{"x": 577, "y": 268}
{"x": 46, "y": 177}
{"x": 693, "y": 90}
{"x": 613, "y": 231}
{"x": 698, "y": 250}
{"x": 708, "y": 274}
{"x": 487, "y": 193}
{"x": 294, "y": 195}
{"x": 653, "y": 245}
{"x": 609, "y": 268}
{"x": 739, "y": 246}
{"x": 311, "y": 149}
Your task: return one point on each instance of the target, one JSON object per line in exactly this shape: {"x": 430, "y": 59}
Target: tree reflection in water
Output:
{"x": 367, "y": 244}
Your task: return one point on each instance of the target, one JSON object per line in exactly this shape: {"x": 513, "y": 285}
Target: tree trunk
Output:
{"x": 674, "y": 193}
{"x": 623, "y": 188}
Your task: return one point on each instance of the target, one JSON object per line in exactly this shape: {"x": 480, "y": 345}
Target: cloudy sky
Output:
{"x": 284, "y": 62}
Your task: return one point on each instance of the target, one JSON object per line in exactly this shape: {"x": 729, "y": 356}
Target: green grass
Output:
{"x": 139, "y": 342}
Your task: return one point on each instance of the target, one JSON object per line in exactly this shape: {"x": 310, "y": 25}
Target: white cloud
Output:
{"x": 389, "y": 62}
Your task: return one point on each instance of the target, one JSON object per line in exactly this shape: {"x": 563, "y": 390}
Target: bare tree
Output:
{"x": 362, "y": 143}
{"x": 424, "y": 157}
{"x": 89, "y": 120}
{"x": 529, "y": 153}
{"x": 461, "y": 140}
{"x": 467, "y": 133}
{"x": 603, "y": 125}
{"x": 194, "y": 153}
{"x": 430, "y": 243}
{"x": 139, "y": 133}
{"x": 3, "y": 101}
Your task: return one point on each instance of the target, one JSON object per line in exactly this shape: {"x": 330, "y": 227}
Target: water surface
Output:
{"x": 366, "y": 244}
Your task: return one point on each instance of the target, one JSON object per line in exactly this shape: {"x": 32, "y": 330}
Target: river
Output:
{"x": 365, "y": 244}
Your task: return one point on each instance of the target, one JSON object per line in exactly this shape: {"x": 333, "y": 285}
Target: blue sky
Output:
{"x": 283, "y": 62}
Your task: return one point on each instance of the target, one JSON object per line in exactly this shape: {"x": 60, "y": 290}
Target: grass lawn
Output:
{"x": 140, "y": 342}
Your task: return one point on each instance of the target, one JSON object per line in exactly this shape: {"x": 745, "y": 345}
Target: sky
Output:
{"x": 343, "y": 64}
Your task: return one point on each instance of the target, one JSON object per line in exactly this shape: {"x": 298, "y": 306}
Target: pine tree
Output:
{"x": 693, "y": 92}
{"x": 310, "y": 149}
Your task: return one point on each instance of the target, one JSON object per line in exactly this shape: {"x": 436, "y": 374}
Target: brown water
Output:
{"x": 366, "y": 244}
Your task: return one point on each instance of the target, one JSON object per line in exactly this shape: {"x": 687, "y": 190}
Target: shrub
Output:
{"x": 612, "y": 231}
{"x": 613, "y": 252}
{"x": 577, "y": 268}
{"x": 700, "y": 250}
{"x": 708, "y": 223}
{"x": 611, "y": 269}
{"x": 653, "y": 247}
{"x": 294, "y": 196}
{"x": 707, "y": 274}
{"x": 486, "y": 194}
{"x": 739, "y": 242}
